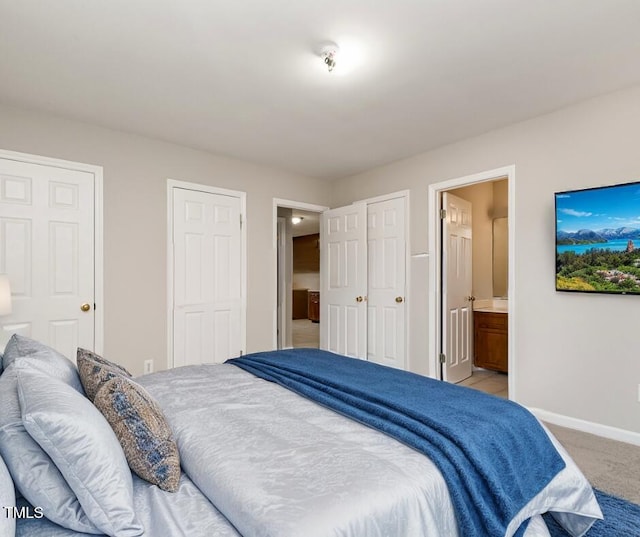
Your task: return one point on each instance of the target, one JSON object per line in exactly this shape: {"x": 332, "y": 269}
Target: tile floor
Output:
{"x": 305, "y": 333}
{"x": 489, "y": 382}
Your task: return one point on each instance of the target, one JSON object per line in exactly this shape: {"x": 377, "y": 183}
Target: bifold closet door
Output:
{"x": 343, "y": 315}
{"x": 386, "y": 300}
{"x": 363, "y": 298}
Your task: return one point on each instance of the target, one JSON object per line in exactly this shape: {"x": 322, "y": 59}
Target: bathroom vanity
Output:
{"x": 490, "y": 335}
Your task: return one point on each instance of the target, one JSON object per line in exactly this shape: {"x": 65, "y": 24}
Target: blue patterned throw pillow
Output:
{"x": 143, "y": 432}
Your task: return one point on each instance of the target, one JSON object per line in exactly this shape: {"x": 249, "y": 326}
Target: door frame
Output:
{"x": 435, "y": 268}
{"x": 301, "y": 206}
{"x": 98, "y": 229}
{"x": 242, "y": 196}
{"x": 281, "y": 334}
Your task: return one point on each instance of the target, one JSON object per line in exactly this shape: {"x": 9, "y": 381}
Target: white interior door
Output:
{"x": 386, "y": 282}
{"x": 207, "y": 283}
{"x": 47, "y": 249}
{"x": 343, "y": 318}
{"x": 457, "y": 327}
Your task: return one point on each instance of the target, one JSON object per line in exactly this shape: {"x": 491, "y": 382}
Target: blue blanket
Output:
{"x": 493, "y": 454}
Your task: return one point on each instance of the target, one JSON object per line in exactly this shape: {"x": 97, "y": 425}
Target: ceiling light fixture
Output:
{"x": 295, "y": 220}
{"x": 328, "y": 55}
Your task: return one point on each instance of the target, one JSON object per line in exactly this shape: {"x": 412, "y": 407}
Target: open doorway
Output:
{"x": 476, "y": 331}
{"x": 305, "y": 280}
{"x": 487, "y": 296}
{"x": 297, "y": 243}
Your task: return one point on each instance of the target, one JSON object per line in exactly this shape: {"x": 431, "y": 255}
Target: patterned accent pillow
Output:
{"x": 143, "y": 432}
{"x": 95, "y": 371}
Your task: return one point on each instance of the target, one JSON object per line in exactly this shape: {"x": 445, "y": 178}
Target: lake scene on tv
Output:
{"x": 598, "y": 240}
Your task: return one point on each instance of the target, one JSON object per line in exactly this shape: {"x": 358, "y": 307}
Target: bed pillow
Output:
{"x": 34, "y": 474}
{"x": 143, "y": 431}
{"x": 7, "y": 499}
{"x": 83, "y": 447}
{"x": 95, "y": 371}
{"x": 44, "y": 358}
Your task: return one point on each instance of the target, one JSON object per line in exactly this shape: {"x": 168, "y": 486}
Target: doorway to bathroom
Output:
{"x": 470, "y": 282}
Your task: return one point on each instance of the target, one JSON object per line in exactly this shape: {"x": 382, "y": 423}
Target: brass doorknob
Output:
{"x": 399, "y": 299}
{"x": 359, "y": 299}
{"x": 85, "y": 307}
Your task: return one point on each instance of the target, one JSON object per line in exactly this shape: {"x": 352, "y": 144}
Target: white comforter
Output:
{"x": 278, "y": 465}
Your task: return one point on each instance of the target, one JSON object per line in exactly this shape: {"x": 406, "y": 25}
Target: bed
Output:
{"x": 257, "y": 455}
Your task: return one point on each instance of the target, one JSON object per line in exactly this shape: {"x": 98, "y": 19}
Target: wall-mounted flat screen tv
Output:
{"x": 598, "y": 239}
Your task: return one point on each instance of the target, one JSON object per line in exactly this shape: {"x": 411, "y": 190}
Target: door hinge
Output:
{"x": 443, "y": 213}
{"x": 443, "y": 358}
{"x": 240, "y": 353}
{"x": 240, "y": 220}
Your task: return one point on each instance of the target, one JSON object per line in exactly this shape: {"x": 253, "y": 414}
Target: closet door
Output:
{"x": 343, "y": 317}
{"x": 364, "y": 277}
{"x": 207, "y": 314}
{"x": 47, "y": 249}
{"x": 386, "y": 304}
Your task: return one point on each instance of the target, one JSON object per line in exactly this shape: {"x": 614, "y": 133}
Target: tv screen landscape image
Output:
{"x": 598, "y": 239}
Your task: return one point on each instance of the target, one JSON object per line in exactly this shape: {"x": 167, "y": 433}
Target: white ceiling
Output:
{"x": 310, "y": 223}
{"x": 242, "y": 77}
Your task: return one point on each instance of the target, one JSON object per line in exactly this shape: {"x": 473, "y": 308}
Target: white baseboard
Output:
{"x": 606, "y": 431}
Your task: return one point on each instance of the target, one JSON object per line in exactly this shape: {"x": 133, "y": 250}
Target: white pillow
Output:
{"x": 7, "y": 499}
{"x": 83, "y": 447}
{"x": 34, "y": 474}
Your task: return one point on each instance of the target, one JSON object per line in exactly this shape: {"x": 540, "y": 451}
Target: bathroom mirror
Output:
{"x": 500, "y": 256}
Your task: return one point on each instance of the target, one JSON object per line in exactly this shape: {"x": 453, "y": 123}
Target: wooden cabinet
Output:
{"x": 306, "y": 253}
{"x": 491, "y": 340}
{"x": 300, "y": 304}
{"x": 314, "y": 306}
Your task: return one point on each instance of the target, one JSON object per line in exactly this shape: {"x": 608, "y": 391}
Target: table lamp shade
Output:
{"x": 5, "y": 295}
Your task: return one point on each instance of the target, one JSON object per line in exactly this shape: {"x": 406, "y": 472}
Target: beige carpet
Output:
{"x": 613, "y": 467}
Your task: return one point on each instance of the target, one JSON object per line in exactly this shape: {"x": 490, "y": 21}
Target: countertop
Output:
{"x": 491, "y": 305}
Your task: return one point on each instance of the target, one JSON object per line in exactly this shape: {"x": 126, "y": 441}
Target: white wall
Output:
{"x": 577, "y": 355}
{"x": 481, "y": 198}
{"x": 135, "y": 174}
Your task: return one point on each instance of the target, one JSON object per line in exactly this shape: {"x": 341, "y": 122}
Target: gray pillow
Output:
{"x": 143, "y": 431}
{"x": 44, "y": 358}
{"x": 7, "y": 499}
{"x": 20, "y": 345}
{"x": 83, "y": 447}
{"x": 33, "y": 471}
{"x": 94, "y": 371}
